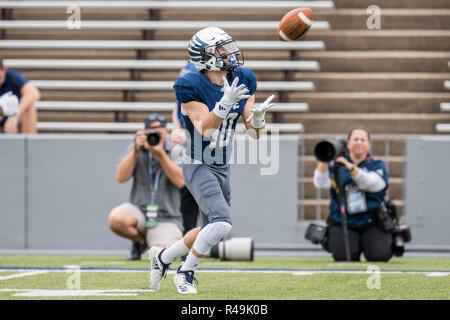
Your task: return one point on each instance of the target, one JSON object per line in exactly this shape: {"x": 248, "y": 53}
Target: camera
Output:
{"x": 328, "y": 150}
{"x": 317, "y": 234}
{"x": 401, "y": 235}
{"x": 234, "y": 249}
{"x": 153, "y": 137}
{"x": 386, "y": 214}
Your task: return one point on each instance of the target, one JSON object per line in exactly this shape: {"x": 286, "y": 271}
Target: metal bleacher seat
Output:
{"x": 128, "y": 127}
{"x": 445, "y": 106}
{"x": 156, "y": 85}
{"x": 55, "y": 4}
{"x": 140, "y": 106}
{"x": 152, "y": 44}
{"x": 151, "y": 25}
{"x": 147, "y": 64}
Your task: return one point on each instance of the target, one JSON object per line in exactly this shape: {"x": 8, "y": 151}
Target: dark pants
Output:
{"x": 372, "y": 241}
{"x": 189, "y": 210}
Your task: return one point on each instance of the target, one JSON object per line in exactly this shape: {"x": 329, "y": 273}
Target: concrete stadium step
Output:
{"x": 374, "y": 81}
{"x": 310, "y": 209}
{"x": 437, "y": 4}
{"x": 373, "y": 102}
{"x": 393, "y": 123}
{"x": 395, "y": 165}
{"x": 379, "y": 61}
{"x": 430, "y": 40}
{"x": 396, "y": 188}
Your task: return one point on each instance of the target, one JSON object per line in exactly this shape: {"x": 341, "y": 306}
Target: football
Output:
{"x": 295, "y": 24}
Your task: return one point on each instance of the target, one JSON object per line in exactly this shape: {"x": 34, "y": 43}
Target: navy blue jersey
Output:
{"x": 196, "y": 86}
{"x": 14, "y": 81}
{"x": 372, "y": 199}
{"x": 189, "y": 67}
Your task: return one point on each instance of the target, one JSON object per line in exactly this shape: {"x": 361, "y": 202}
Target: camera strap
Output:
{"x": 154, "y": 181}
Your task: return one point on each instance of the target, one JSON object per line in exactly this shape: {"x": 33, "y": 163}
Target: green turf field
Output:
{"x": 266, "y": 278}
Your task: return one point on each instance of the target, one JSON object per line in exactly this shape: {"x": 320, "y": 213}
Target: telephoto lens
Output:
{"x": 234, "y": 249}
{"x": 153, "y": 138}
{"x": 328, "y": 150}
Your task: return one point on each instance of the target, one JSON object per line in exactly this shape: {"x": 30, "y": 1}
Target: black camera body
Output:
{"x": 401, "y": 234}
{"x": 387, "y": 218}
{"x": 328, "y": 150}
{"x": 317, "y": 234}
{"x": 153, "y": 138}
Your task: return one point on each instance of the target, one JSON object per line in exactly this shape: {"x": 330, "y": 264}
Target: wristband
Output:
{"x": 221, "y": 111}
{"x": 258, "y": 123}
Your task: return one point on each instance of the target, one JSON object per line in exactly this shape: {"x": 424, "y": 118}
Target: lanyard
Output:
{"x": 155, "y": 183}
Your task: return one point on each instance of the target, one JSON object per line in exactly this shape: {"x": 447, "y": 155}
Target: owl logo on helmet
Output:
{"x": 215, "y": 50}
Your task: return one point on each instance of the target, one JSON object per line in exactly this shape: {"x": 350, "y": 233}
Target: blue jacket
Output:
{"x": 372, "y": 199}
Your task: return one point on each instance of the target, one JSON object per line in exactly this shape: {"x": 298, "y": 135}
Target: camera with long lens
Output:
{"x": 330, "y": 149}
{"x": 153, "y": 138}
{"x": 234, "y": 249}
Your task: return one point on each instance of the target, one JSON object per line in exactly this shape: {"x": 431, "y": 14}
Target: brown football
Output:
{"x": 295, "y": 24}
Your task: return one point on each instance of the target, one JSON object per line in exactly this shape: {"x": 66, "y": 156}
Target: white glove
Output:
{"x": 231, "y": 95}
{"x": 9, "y": 104}
{"x": 258, "y": 113}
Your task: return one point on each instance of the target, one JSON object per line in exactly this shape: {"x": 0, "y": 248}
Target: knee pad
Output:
{"x": 211, "y": 235}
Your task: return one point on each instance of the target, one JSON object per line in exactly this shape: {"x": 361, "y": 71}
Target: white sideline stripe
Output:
{"x": 25, "y": 274}
{"x": 281, "y": 271}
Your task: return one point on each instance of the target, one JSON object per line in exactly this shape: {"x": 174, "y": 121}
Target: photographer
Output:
{"x": 153, "y": 213}
{"x": 364, "y": 182}
{"x": 17, "y": 102}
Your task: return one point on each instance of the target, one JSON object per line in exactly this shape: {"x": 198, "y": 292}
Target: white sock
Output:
{"x": 210, "y": 235}
{"x": 206, "y": 238}
{"x": 191, "y": 262}
{"x": 178, "y": 249}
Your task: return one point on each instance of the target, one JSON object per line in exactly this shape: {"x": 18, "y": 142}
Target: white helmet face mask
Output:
{"x": 213, "y": 49}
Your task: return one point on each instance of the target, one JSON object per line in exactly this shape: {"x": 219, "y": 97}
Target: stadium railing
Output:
{"x": 129, "y": 127}
{"x": 147, "y": 64}
{"x": 140, "y": 106}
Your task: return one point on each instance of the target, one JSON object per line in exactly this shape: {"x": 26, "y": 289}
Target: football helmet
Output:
{"x": 215, "y": 50}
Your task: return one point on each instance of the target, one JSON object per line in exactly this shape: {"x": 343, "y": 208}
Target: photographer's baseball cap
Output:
{"x": 152, "y": 117}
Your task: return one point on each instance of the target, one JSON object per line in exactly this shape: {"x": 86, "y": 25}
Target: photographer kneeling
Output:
{"x": 152, "y": 216}
{"x": 364, "y": 181}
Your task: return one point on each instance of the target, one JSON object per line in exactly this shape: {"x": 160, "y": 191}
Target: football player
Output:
{"x": 212, "y": 100}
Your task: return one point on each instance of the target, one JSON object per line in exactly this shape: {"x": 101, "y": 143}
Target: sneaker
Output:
{"x": 158, "y": 269}
{"x": 9, "y": 104}
{"x": 137, "y": 250}
{"x": 184, "y": 281}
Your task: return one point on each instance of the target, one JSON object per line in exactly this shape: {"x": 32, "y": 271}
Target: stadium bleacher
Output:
{"x": 340, "y": 74}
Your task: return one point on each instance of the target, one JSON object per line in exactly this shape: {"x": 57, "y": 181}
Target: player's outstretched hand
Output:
{"x": 231, "y": 95}
{"x": 234, "y": 93}
{"x": 260, "y": 110}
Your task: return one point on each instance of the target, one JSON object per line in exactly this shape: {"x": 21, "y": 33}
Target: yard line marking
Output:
{"x": 218, "y": 270}
{"x": 25, "y": 274}
{"x": 74, "y": 293}
{"x": 437, "y": 274}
